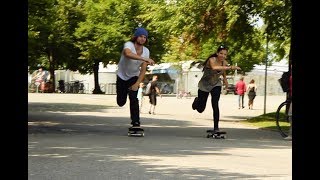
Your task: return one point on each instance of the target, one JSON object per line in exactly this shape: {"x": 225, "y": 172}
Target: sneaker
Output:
{"x": 216, "y": 129}
{"x": 194, "y": 107}
{"x": 289, "y": 138}
{"x": 149, "y": 112}
{"x": 154, "y": 113}
{"x": 135, "y": 124}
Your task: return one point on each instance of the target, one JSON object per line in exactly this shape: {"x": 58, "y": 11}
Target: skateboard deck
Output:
{"x": 136, "y": 131}
{"x": 216, "y": 135}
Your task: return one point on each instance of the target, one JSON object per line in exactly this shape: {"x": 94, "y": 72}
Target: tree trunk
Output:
{"x": 51, "y": 83}
{"x": 97, "y": 89}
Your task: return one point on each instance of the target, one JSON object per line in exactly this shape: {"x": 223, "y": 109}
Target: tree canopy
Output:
{"x": 78, "y": 34}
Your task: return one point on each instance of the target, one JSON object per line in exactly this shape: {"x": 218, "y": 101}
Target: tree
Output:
{"x": 50, "y": 28}
{"x": 277, "y": 18}
{"x": 78, "y": 35}
{"x": 108, "y": 24}
{"x": 195, "y": 28}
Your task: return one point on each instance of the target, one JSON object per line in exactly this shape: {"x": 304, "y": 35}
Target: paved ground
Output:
{"x": 84, "y": 137}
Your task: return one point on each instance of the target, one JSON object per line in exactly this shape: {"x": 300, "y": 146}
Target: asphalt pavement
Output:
{"x": 84, "y": 137}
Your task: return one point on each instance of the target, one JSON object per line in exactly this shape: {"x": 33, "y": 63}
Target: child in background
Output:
{"x": 140, "y": 96}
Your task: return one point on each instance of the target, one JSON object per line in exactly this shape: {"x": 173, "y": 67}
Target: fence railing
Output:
{"x": 108, "y": 88}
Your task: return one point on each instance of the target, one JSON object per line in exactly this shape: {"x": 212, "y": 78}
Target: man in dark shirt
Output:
{"x": 153, "y": 94}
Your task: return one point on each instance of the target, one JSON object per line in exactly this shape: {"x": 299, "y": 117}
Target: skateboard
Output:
{"x": 216, "y": 135}
{"x": 136, "y": 131}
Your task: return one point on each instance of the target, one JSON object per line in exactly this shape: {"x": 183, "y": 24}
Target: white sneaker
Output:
{"x": 289, "y": 138}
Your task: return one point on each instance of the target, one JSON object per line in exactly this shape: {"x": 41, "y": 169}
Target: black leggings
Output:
{"x": 122, "y": 92}
{"x": 202, "y": 102}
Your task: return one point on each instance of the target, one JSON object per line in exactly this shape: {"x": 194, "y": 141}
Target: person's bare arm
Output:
{"x": 158, "y": 91}
{"x": 248, "y": 87}
{"x": 128, "y": 53}
{"x": 217, "y": 66}
{"x": 225, "y": 81}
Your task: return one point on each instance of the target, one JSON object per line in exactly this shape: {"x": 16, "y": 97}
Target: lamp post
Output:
{"x": 236, "y": 71}
{"x": 266, "y": 72}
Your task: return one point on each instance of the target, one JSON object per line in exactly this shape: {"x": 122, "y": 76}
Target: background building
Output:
{"x": 175, "y": 77}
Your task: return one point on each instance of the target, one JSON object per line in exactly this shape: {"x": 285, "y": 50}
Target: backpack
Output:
{"x": 284, "y": 81}
{"x": 148, "y": 89}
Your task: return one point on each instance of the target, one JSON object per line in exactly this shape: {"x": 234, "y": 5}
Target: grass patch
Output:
{"x": 266, "y": 121}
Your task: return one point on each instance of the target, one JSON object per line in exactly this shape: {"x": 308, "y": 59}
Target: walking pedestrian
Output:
{"x": 154, "y": 91}
{"x": 131, "y": 70}
{"x": 214, "y": 67}
{"x": 241, "y": 88}
{"x": 251, "y": 89}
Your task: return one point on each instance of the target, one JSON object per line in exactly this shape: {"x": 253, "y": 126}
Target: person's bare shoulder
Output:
{"x": 213, "y": 60}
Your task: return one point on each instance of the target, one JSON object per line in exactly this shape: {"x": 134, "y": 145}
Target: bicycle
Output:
{"x": 282, "y": 118}
{"x": 185, "y": 94}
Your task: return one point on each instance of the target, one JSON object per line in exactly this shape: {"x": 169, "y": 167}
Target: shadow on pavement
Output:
{"x": 67, "y": 107}
{"x": 100, "y": 146}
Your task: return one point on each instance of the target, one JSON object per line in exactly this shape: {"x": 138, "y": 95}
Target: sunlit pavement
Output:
{"x": 84, "y": 136}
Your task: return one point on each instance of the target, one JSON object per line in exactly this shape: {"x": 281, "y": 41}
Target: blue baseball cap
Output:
{"x": 140, "y": 31}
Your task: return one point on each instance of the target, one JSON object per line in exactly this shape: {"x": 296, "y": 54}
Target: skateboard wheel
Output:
{"x": 208, "y": 136}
